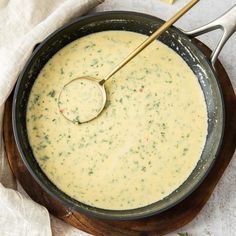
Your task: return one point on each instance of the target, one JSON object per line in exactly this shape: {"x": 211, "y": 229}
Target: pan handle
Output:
{"x": 226, "y": 23}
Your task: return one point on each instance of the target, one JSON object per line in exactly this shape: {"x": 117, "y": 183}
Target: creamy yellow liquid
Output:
{"x": 146, "y": 142}
{"x": 81, "y": 106}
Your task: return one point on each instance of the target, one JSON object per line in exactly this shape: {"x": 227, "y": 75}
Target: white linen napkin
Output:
{"x": 23, "y": 23}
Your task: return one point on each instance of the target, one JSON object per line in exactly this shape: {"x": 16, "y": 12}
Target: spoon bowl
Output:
{"x": 82, "y": 99}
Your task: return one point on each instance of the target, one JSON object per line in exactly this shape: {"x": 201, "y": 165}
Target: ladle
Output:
{"x": 84, "y": 98}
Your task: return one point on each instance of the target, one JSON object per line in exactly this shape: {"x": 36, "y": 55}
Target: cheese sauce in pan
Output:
{"x": 145, "y": 143}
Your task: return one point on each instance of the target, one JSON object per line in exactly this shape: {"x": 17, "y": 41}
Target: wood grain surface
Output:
{"x": 160, "y": 224}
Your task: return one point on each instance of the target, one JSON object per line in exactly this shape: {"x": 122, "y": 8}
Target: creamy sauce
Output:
{"x": 145, "y": 143}
{"x": 80, "y": 100}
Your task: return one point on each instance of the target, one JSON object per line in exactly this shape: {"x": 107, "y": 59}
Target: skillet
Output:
{"x": 177, "y": 40}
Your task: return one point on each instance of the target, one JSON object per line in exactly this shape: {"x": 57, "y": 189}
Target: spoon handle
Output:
{"x": 150, "y": 39}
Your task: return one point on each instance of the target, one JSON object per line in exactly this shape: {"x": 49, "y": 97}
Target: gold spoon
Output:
{"x": 92, "y": 91}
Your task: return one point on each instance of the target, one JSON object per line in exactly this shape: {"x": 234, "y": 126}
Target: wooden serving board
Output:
{"x": 160, "y": 224}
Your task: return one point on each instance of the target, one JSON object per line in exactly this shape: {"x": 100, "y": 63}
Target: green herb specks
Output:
{"x": 52, "y": 93}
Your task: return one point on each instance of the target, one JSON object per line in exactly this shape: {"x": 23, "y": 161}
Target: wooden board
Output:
{"x": 163, "y": 223}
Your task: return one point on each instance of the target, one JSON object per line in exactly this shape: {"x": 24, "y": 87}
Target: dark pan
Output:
{"x": 143, "y": 24}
